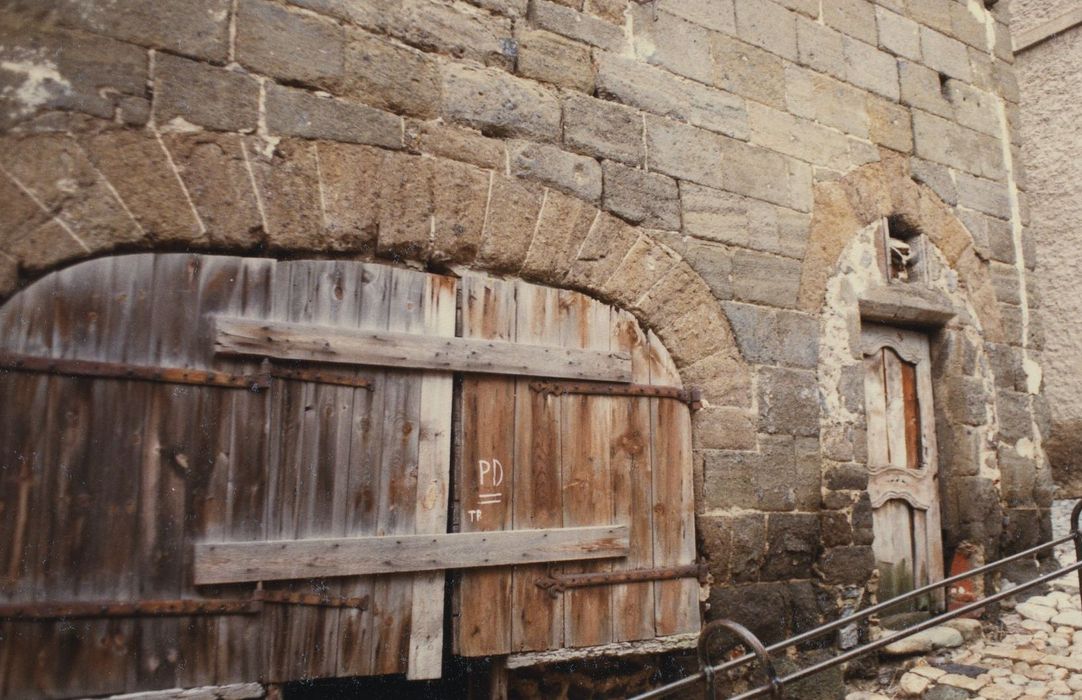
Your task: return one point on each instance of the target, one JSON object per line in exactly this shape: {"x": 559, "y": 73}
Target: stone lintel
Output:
{"x": 906, "y": 305}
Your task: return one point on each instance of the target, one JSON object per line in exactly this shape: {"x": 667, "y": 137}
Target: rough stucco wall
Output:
{"x": 1027, "y": 14}
{"x": 1051, "y": 83}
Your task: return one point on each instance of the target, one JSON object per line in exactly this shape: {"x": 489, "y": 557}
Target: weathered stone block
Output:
{"x": 465, "y": 145}
{"x": 788, "y": 401}
{"x": 935, "y": 176}
{"x": 295, "y": 112}
{"x": 944, "y": 54}
{"x": 391, "y": 77}
{"x": 799, "y": 138}
{"x": 920, "y": 87}
{"x": 847, "y": 565}
{"x": 601, "y": 252}
{"x": 1006, "y": 284}
{"x": 406, "y": 206}
{"x": 815, "y": 96}
{"x": 846, "y": 477}
{"x": 459, "y": 198}
{"x": 608, "y": 10}
{"x": 855, "y": 18}
{"x": 554, "y": 59}
{"x": 715, "y": 535}
{"x": 758, "y": 172}
{"x": 983, "y": 195}
{"x": 1019, "y": 476}
{"x": 646, "y": 263}
{"x": 723, "y": 428}
{"x": 576, "y": 25}
{"x": 452, "y": 28}
{"x": 766, "y": 336}
{"x": 747, "y": 70}
{"x": 945, "y": 142}
{"x": 641, "y": 197}
{"x": 289, "y": 45}
{"x": 714, "y": 263}
{"x": 748, "y": 546}
{"x": 215, "y": 98}
{"x": 793, "y": 542}
{"x": 762, "y": 608}
{"x": 898, "y": 34}
{"x": 723, "y": 378}
{"x": 21, "y": 214}
{"x": 717, "y": 15}
{"x": 684, "y": 152}
{"x": 714, "y": 215}
{"x": 773, "y": 479}
{"x": 499, "y": 104}
{"x": 603, "y": 129}
{"x": 9, "y": 276}
{"x": 349, "y": 177}
{"x": 673, "y": 43}
{"x": 287, "y": 180}
{"x": 766, "y": 279}
{"x": 767, "y": 25}
{"x": 214, "y": 173}
{"x": 836, "y": 529}
{"x": 1015, "y": 419}
{"x": 574, "y": 174}
{"x": 654, "y": 90}
{"x": 869, "y": 68}
{"x": 820, "y": 47}
{"x": 513, "y": 209}
{"x": 974, "y": 108}
{"x": 890, "y": 124}
{"x": 562, "y": 226}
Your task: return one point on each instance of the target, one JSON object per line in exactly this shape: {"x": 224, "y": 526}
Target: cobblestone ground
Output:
{"x": 1033, "y": 650}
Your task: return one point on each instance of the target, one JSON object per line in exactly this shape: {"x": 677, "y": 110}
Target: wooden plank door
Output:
{"x": 902, "y": 459}
{"x": 531, "y": 458}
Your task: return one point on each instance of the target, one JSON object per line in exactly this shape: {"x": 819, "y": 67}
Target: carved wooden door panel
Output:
{"x": 902, "y": 459}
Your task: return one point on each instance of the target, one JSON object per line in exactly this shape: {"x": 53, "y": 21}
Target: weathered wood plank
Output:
{"x": 301, "y": 341}
{"x": 433, "y": 484}
{"x": 875, "y": 408}
{"x": 230, "y": 562}
{"x": 486, "y": 470}
{"x": 895, "y": 415}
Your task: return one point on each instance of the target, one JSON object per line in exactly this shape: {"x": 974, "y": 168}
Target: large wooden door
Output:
{"x": 902, "y": 459}
{"x": 217, "y": 470}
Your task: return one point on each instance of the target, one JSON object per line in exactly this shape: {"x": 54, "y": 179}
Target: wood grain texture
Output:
{"x": 316, "y": 343}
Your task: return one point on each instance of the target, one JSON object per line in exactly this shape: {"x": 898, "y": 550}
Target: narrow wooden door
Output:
{"x": 903, "y": 481}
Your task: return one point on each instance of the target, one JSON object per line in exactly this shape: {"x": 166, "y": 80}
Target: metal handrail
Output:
{"x": 774, "y": 685}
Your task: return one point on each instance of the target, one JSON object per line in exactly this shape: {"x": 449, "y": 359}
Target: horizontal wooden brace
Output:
{"x": 141, "y": 608}
{"x": 554, "y": 584}
{"x": 692, "y": 397}
{"x": 314, "y": 343}
{"x": 234, "y": 562}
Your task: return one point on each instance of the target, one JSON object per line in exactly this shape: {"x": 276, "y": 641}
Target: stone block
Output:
{"x": 872, "y": 69}
{"x": 830, "y": 102}
{"x": 641, "y": 197}
{"x": 561, "y": 228}
{"x": 695, "y": 335}
{"x": 715, "y": 535}
{"x": 21, "y": 214}
{"x": 553, "y": 59}
{"x": 459, "y": 201}
{"x": 49, "y": 245}
{"x": 967, "y": 400}
{"x": 499, "y": 104}
{"x": 406, "y": 207}
{"x": 576, "y": 25}
{"x": 767, "y": 25}
{"x": 670, "y": 42}
{"x": 198, "y": 28}
{"x": 800, "y": 138}
{"x": 214, "y": 173}
{"x": 788, "y": 401}
{"x": 608, "y": 10}
{"x": 717, "y": 15}
{"x": 773, "y": 479}
{"x": 890, "y": 124}
{"x": 933, "y": 13}
{"x": 654, "y": 90}
{"x": 983, "y": 195}
{"x": 349, "y": 177}
{"x": 513, "y": 210}
{"x": 211, "y": 97}
{"x": 646, "y": 263}
{"x": 898, "y": 34}
{"x": 846, "y": 477}
{"x": 723, "y": 379}
{"x": 438, "y": 139}
{"x": 1018, "y": 477}
{"x": 820, "y": 48}
{"x": 944, "y": 54}
{"x": 747, "y": 70}
{"x": 684, "y": 152}
{"x": 287, "y": 180}
{"x": 391, "y": 77}
{"x": 1006, "y": 283}
{"x": 793, "y": 542}
{"x": 761, "y": 607}
{"x": 67, "y": 71}
{"x": 574, "y": 174}
{"x": 921, "y": 87}
{"x": 766, "y": 336}
{"x": 935, "y": 176}
{"x": 508, "y": 8}
{"x": 761, "y": 173}
{"x": 974, "y": 108}
{"x": 714, "y": 215}
{"x": 295, "y": 112}
{"x": 945, "y": 142}
{"x": 450, "y": 28}
{"x": 714, "y": 263}
{"x": 766, "y": 279}
{"x": 836, "y": 529}
{"x": 9, "y": 276}
{"x": 723, "y": 428}
{"x": 847, "y": 565}
{"x": 288, "y": 45}
{"x": 603, "y": 129}
{"x": 1015, "y": 419}
{"x": 855, "y": 18}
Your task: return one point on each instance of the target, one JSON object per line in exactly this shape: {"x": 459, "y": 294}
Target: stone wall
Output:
{"x": 1050, "y": 80}
{"x": 705, "y": 164}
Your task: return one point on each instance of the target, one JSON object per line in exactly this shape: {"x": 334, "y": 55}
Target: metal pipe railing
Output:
{"x": 707, "y": 672}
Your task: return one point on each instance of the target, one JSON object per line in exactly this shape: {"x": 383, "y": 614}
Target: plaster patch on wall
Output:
{"x": 41, "y": 83}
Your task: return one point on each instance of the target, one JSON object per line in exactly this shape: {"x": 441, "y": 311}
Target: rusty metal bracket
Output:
{"x": 311, "y": 599}
{"x": 15, "y": 362}
{"x": 692, "y": 397}
{"x": 141, "y": 608}
{"x": 555, "y": 584}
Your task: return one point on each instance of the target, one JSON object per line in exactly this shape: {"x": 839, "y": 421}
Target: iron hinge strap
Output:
{"x": 692, "y": 397}
{"x": 555, "y": 584}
